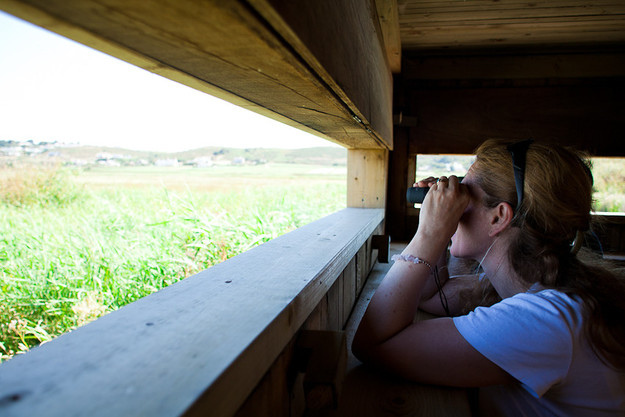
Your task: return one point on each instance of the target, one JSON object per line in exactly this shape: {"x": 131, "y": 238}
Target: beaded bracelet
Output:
{"x": 415, "y": 260}
{"x": 412, "y": 259}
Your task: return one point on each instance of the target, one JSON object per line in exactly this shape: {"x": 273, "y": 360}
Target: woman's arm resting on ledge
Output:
{"x": 431, "y": 351}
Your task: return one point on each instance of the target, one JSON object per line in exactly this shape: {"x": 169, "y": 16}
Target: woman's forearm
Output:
{"x": 392, "y": 307}
{"x": 395, "y": 302}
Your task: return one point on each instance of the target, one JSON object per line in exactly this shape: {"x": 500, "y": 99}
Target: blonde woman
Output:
{"x": 554, "y": 343}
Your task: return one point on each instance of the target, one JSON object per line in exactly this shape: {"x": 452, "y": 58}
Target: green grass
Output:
{"x": 609, "y": 176}
{"x": 64, "y": 262}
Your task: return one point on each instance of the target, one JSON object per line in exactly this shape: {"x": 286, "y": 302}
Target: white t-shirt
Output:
{"x": 537, "y": 337}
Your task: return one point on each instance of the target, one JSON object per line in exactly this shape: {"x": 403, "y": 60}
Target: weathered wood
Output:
{"x": 349, "y": 290}
{"x": 285, "y": 380}
{"x": 226, "y": 49}
{"x": 467, "y": 24}
{"x": 366, "y": 178}
{"x": 362, "y": 271}
{"x": 340, "y": 41}
{"x": 279, "y": 393}
{"x": 203, "y": 343}
{"x": 335, "y": 307}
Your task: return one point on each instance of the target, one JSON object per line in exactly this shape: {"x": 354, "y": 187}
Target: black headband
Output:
{"x": 518, "y": 151}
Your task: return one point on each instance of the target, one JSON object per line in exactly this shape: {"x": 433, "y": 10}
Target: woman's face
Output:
{"x": 471, "y": 239}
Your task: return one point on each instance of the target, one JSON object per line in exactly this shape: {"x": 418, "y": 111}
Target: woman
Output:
{"x": 555, "y": 342}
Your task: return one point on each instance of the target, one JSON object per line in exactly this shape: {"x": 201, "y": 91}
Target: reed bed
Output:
{"x": 70, "y": 253}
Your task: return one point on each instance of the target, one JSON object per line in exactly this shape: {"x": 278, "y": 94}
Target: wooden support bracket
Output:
{"x": 322, "y": 357}
{"x": 383, "y": 244}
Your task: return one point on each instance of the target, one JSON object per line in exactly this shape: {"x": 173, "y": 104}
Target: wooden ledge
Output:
{"x": 209, "y": 338}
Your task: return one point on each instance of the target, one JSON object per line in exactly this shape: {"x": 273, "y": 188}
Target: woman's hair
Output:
{"x": 555, "y": 209}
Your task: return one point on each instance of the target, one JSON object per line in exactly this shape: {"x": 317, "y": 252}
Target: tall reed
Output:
{"x": 66, "y": 261}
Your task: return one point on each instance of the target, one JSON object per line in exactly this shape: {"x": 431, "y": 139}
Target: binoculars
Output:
{"x": 416, "y": 195}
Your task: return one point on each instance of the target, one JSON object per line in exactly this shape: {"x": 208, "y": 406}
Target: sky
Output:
{"x": 55, "y": 89}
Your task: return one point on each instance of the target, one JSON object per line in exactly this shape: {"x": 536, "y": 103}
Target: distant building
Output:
{"x": 202, "y": 162}
{"x": 108, "y": 163}
{"x": 166, "y": 162}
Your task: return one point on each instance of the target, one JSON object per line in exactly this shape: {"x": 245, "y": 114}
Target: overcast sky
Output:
{"x": 52, "y": 88}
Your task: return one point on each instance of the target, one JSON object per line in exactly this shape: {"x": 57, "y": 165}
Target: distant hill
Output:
{"x": 102, "y": 155}
{"x": 318, "y": 155}
{"x": 332, "y": 156}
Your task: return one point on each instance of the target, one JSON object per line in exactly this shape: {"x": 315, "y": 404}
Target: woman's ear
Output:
{"x": 501, "y": 217}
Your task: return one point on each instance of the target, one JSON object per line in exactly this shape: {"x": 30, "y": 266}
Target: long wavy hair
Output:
{"x": 555, "y": 211}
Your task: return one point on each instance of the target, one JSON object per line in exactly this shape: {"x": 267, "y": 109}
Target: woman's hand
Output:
{"x": 426, "y": 182}
{"x": 440, "y": 213}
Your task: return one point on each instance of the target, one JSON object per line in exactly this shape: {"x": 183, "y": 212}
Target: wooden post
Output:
{"x": 367, "y": 171}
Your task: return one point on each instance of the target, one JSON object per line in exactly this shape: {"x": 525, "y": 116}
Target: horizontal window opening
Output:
{"x": 608, "y": 175}
{"x": 128, "y": 182}
{"x": 439, "y": 165}
{"x": 609, "y": 184}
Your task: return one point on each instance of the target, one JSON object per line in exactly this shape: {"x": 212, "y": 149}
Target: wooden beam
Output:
{"x": 367, "y": 172}
{"x": 341, "y": 42}
{"x": 488, "y": 65}
{"x": 589, "y": 117}
{"x": 228, "y": 50}
{"x": 388, "y": 15}
{"x": 401, "y": 176}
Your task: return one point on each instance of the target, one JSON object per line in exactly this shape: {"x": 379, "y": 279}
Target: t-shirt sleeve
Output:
{"x": 527, "y": 335}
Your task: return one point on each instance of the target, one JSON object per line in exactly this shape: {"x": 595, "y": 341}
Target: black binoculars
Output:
{"x": 416, "y": 195}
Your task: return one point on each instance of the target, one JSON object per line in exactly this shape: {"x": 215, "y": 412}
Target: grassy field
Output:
{"x": 75, "y": 245}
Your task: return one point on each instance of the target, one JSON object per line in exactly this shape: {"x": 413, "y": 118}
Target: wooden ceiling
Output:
{"x": 428, "y": 25}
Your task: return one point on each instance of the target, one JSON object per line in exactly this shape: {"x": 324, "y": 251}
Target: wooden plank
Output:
{"x": 367, "y": 392}
{"x": 508, "y": 35}
{"x": 335, "y": 306}
{"x": 517, "y": 35}
{"x": 318, "y": 319}
{"x": 463, "y": 15}
{"x": 366, "y": 178}
{"x": 280, "y": 392}
{"x": 224, "y": 49}
{"x": 370, "y": 259}
{"x": 589, "y": 117}
{"x": 349, "y": 290}
{"x": 361, "y": 269}
{"x": 203, "y": 343}
{"x": 342, "y": 43}
{"x": 436, "y": 25}
{"x": 453, "y": 6}
{"x": 272, "y": 395}
{"x": 388, "y": 15}
{"x": 505, "y": 20}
